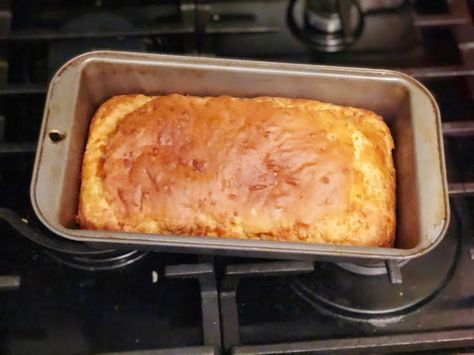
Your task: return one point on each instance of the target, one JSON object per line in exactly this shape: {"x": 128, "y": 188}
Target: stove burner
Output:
{"x": 323, "y": 16}
{"x": 329, "y": 25}
{"x": 345, "y": 294}
{"x": 97, "y": 261}
{"x": 367, "y": 270}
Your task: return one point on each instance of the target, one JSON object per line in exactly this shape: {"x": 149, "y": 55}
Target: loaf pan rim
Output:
{"x": 232, "y": 244}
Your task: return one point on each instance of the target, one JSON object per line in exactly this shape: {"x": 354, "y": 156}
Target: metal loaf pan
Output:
{"x": 81, "y": 85}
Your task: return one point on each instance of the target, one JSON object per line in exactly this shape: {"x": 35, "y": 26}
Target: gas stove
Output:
{"x": 64, "y": 297}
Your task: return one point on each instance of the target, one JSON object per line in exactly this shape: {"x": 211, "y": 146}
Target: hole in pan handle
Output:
{"x": 56, "y": 135}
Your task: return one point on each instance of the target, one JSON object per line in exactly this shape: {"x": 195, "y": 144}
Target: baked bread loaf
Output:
{"x": 263, "y": 168}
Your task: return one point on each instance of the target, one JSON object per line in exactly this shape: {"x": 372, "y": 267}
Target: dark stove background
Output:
{"x": 89, "y": 301}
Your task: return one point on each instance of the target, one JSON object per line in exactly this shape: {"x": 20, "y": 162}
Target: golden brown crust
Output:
{"x": 268, "y": 168}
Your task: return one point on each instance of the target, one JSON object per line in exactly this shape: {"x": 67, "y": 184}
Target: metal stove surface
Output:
{"x": 59, "y": 297}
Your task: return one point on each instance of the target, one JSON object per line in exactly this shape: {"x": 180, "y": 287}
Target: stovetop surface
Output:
{"x": 52, "y": 302}
{"x": 59, "y": 309}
